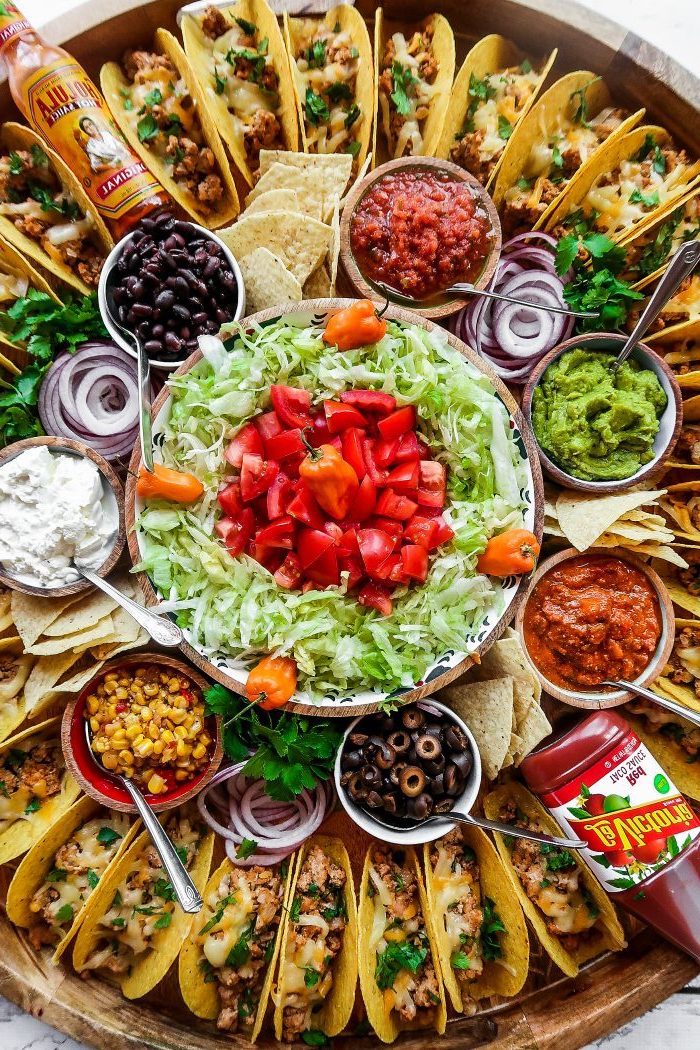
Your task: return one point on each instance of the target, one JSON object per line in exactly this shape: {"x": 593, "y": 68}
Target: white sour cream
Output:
{"x": 52, "y": 509}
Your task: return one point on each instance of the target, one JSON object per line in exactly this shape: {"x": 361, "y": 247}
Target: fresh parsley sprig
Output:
{"x": 595, "y": 285}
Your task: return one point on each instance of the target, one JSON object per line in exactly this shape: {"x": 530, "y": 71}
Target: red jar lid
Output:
{"x": 571, "y": 753}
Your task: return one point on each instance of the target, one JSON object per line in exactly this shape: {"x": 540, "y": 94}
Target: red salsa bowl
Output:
{"x": 104, "y": 786}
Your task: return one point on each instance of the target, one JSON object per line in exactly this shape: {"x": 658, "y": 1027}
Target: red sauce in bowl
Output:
{"x": 590, "y": 619}
{"x": 419, "y": 231}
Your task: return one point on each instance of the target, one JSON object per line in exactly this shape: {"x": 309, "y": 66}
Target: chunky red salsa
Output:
{"x": 419, "y": 232}
{"x": 590, "y": 619}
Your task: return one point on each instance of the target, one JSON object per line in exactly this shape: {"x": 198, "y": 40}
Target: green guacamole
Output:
{"x": 596, "y": 424}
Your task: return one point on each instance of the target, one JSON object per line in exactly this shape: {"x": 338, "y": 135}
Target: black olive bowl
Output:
{"x": 460, "y": 794}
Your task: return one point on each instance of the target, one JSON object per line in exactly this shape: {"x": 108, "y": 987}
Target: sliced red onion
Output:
{"x": 237, "y": 808}
{"x": 510, "y": 337}
{"x": 92, "y": 395}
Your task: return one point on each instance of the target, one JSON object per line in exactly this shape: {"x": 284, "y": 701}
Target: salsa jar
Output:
{"x": 602, "y": 784}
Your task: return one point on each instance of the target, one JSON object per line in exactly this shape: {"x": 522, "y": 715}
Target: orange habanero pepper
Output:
{"x": 332, "y": 481}
{"x": 272, "y": 682}
{"x": 512, "y": 553}
{"x": 356, "y": 325}
{"x": 166, "y": 483}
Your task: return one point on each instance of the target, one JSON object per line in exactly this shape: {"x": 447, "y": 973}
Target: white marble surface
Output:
{"x": 673, "y": 26}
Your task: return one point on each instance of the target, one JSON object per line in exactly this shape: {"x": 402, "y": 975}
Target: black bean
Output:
{"x": 200, "y": 318}
{"x": 153, "y": 347}
{"x": 188, "y": 275}
{"x": 227, "y": 280}
{"x": 181, "y": 312}
{"x": 185, "y": 333}
{"x": 142, "y": 311}
{"x": 178, "y": 285}
{"x": 200, "y": 256}
{"x": 143, "y": 329}
{"x": 212, "y": 266}
{"x": 222, "y": 316}
{"x": 213, "y": 248}
{"x": 158, "y": 331}
{"x": 172, "y": 342}
{"x": 148, "y": 225}
{"x": 137, "y": 289}
{"x": 165, "y": 299}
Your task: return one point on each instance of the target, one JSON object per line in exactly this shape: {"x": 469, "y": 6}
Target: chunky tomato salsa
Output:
{"x": 590, "y": 619}
{"x": 419, "y": 232}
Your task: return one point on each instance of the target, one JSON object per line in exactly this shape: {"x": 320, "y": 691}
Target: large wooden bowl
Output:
{"x": 555, "y": 1013}
{"x": 447, "y": 665}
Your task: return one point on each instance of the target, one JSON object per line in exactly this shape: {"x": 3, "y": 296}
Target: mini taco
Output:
{"x": 683, "y": 583}
{"x": 331, "y": 62}
{"x": 15, "y": 667}
{"x": 566, "y": 906}
{"x": 52, "y": 885}
{"x": 159, "y": 105}
{"x": 228, "y": 961}
{"x": 682, "y": 353}
{"x": 45, "y": 212}
{"x": 680, "y": 315}
{"x": 35, "y": 787}
{"x": 239, "y": 58}
{"x": 398, "y": 956}
{"x": 494, "y": 89}
{"x": 413, "y": 73}
{"x": 649, "y": 252}
{"x": 626, "y": 187}
{"x": 134, "y": 928}
{"x": 681, "y": 504}
{"x": 553, "y": 145}
{"x": 17, "y": 276}
{"x": 318, "y": 961}
{"x": 479, "y": 926}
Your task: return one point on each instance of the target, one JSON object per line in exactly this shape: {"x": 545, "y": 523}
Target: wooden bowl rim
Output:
{"x": 347, "y": 258}
{"x": 76, "y": 770}
{"x": 664, "y": 645}
{"x": 653, "y": 468}
{"x": 394, "y": 313}
{"x": 10, "y": 452}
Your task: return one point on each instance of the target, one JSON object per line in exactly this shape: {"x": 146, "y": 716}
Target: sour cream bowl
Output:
{"x": 110, "y": 537}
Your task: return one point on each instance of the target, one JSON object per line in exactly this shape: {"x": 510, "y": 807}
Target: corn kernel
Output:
{"x": 133, "y": 731}
{"x": 93, "y": 705}
{"x": 109, "y": 761}
{"x": 94, "y": 725}
{"x": 158, "y": 747}
{"x": 156, "y": 784}
{"x": 144, "y": 748}
{"x": 126, "y": 758}
{"x": 199, "y": 751}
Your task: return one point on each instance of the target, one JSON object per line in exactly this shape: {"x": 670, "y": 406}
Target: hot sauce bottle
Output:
{"x": 59, "y": 100}
{"x": 602, "y": 784}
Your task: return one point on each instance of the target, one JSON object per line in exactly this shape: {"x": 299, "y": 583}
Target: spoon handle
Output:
{"x": 145, "y": 421}
{"x": 661, "y": 701}
{"x": 681, "y": 266}
{"x": 469, "y": 289}
{"x": 186, "y": 893}
{"x": 516, "y": 832}
{"x": 161, "y": 629}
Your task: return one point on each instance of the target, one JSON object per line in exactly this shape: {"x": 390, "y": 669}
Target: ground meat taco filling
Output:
{"x": 76, "y": 870}
{"x": 244, "y": 73}
{"x": 649, "y": 252}
{"x": 328, "y": 63}
{"x": 551, "y": 879}
{"x": 494, "y": 106}
{"x": 404, "y": 969}
{"x": 35, "y": 202}
{"x": 318, "y": 918}
{"x": 407, "y": 72}
{"x": 238, "y": 940}
{"x": 665, "y": 723}
{"x": 28, "y": 778}
{"x": 143, "y": 903}
{"x": 684, "y": 306}
{"x": 165, "y": 116}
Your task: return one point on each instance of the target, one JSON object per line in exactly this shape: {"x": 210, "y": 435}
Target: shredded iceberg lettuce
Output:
{"x": 233, "y": 606}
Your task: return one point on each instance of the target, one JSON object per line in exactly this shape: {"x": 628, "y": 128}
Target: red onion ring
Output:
{"x": 510, "y": 337}
{"x": 92, "y": 395}
{"x": 240, "y": 810}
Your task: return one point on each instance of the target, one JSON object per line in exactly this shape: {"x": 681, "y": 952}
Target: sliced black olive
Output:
{"x": 389, "y": 802}
{"x": 421, "y": 807}
{"x": 358, "y": 739}
{"x": 437, "y": 785}
{"x": 374, "y": 800}
{"x": 395, "y": 773}
{"x": 428, "y": 747}
{"x": 412, "y": 718}
{"x": 400, "y": 741}
{"x": 385, "y": 756}
{"x": 412, "y": 781}
{"x": 435, "y": 766}
{"x": 464, "y": 762}
{"x": 456, "y": 739}
{"x": 443, "y": 805}
{"x": 454, "y": 780}
{"x": 356, "y": 788}
{"x": 346, "y": 777}
{"x": 351, "y": 759}
{"x": 371, "y": 777}
{"x": 388, "y": 725}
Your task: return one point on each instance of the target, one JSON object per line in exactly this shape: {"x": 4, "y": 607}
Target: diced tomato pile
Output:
{"x": 396, "y": 518}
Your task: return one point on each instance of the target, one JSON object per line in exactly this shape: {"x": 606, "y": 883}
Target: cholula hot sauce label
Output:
{"x": 628, "y": 810}
{"x": 12, "y": 22}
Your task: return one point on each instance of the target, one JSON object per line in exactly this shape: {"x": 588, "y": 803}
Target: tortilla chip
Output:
{"x": 315, "y": 192}
{"x": 101, "y": 631}
{"x": 318, "y": 285}
{"x": 81, "y": 614}
{"x": 583, "y": 518}
{"x": 506, "y": 659}
{"x": 274, "y": 200}
{"x": 267, "y": 281}
{"x": 532, "y": 730}
{"x": 298, "y": 240}
{"x": 487, "y": 709}
{"x": 45, "y": 673}
{"x": 333, "y": 169}
{"x": 334, "y": 250}
{"x": 32, "y": 615}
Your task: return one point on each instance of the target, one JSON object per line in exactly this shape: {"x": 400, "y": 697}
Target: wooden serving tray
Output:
{"x": 556, "y": 1013}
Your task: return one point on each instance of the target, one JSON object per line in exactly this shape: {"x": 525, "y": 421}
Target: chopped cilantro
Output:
{"x": 557, "y": 858}
{"x": 338, "y": 91}
{"x": 295, "y": 910}
{"x": 153, "y": 98}
{"x": 459, "y": 960}
{"x": 106, "y": 836}
{"x": 117, "y": 900}
{"x": 45, "y": 197}
{"x": 127, "y": 101}
{"x": 505, "y": 128}
{"x": 397, "y": 957}
{"x": 311, "y": 977}
{"x": 16, "y": 163}
{"x": 246, "y": 849}
{"x": 316, "y": 108}
{"x": 526, "y": 66}
{"x": 578, "y": 98}
{"x": 647, "y": 147}
{"x": 313, "y": 1037}
{"x": 64, "y": 913}
{"x": 218, "y": 914}
{"x": 56, "y": 875}
{"x": 219, "y": 82}
{"x": 351, "y": 116}
{"x": 119, "y": 922}
{"x": 240, "y": 953}
{"x": 491, "y": 926}
{"x": 33, "y": 806}
{"x": 316, "y": 54}
{"x": 249, "y": 28}
{"x": 557, "y": 159}
{"x": 39, "y": 157}
{"x": 147, "y": 128}
{"x": 162, "y": 888}
{"x": 647, "y": 200}
{"x": 353, "y": 148}
{"x": 402, "y": 78}
{"x": 525, "y": 184}
{"x": 164, "y": 921}
{"x": 92, "y": 878}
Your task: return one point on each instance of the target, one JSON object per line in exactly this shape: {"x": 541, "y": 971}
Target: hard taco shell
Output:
{"x": 13, "y": 262}
{"x": 386, "y": 1024}
{"x": 114, "y": 84}
{"x": 335, "y": 1013}
{"x": 612, "y": 934}
{"x": 499, "y": 977}
{"x": 199, "y": 54}
{"x": 17, "y": 136}
{"x": 166, "y": 943}
{"x": 684, "y": 774}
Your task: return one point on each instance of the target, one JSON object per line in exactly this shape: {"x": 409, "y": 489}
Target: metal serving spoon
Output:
{"x": 661, "y": 701}
{"x": 161, "y": 628}
{"x": 186, "y": 893}
{"x": 465, "y": 289}
{"x": 411, "y": 823}
{"x": 143, "y": 369}
{"x": 681, "y": 266}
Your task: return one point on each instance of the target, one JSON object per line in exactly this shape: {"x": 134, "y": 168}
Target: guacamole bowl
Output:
{"x": 584, "y": 420}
